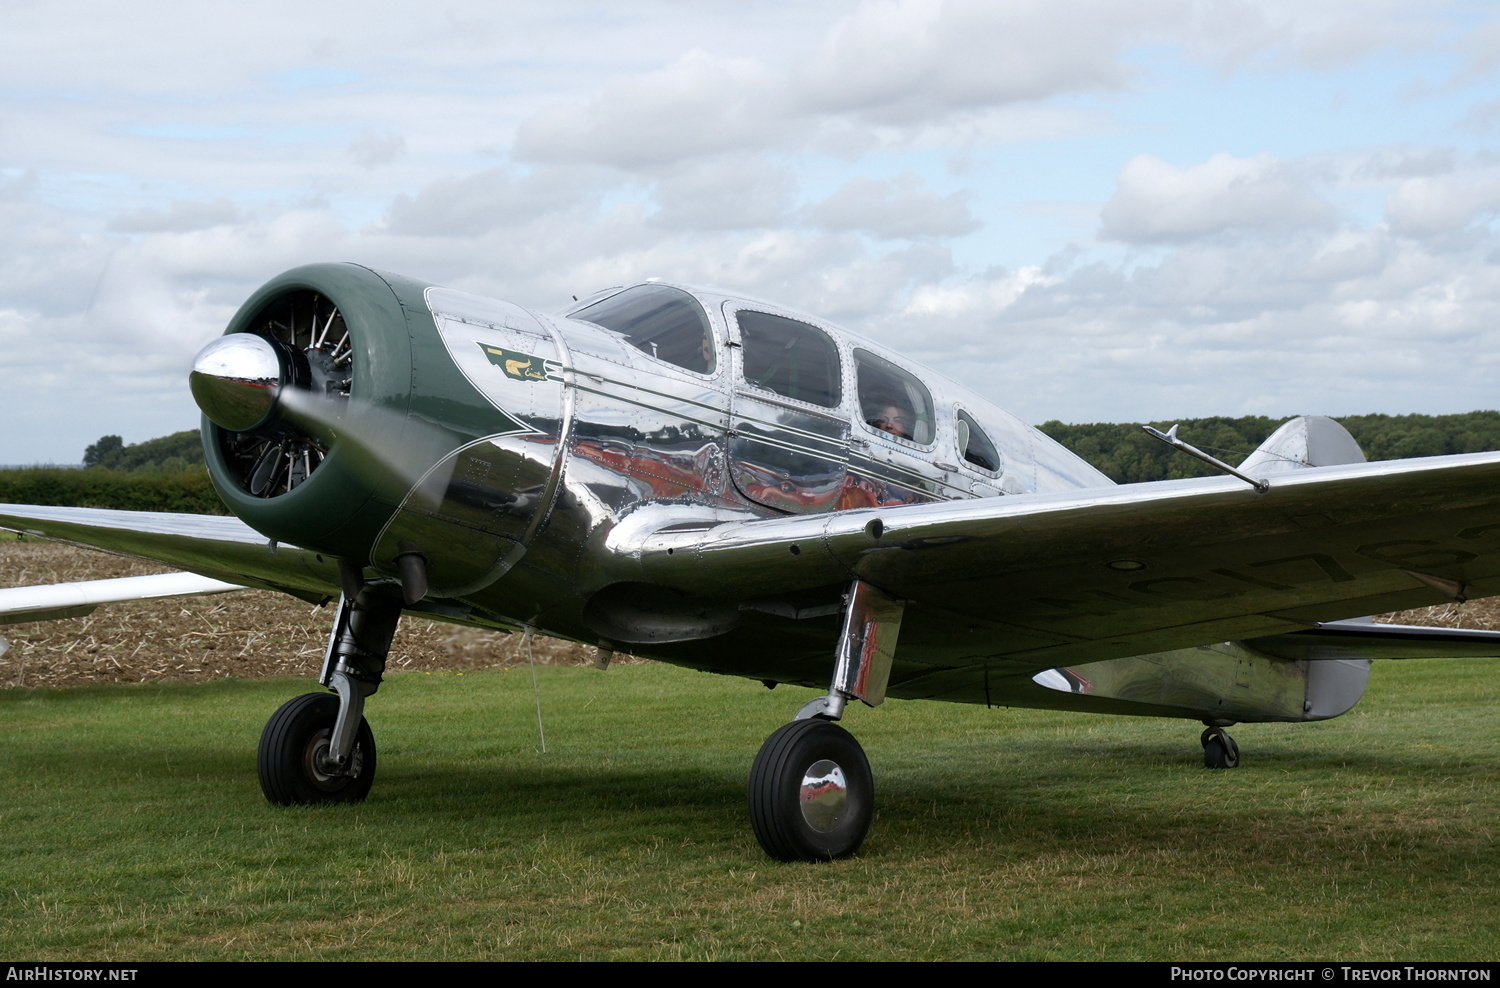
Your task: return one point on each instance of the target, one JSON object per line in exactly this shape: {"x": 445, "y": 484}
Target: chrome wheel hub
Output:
{"x": 824, "y": 796}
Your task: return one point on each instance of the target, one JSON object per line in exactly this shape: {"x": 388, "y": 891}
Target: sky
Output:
{"x": 1086, "y": 210}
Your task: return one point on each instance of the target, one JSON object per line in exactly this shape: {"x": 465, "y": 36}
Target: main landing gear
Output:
{"x": 811, "y": 793}
{"x": 318, "y": 747}
{"x": 1219, "y": 749}
{"x": 296, "y": 763}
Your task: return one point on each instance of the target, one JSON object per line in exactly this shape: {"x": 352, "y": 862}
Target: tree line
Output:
{"x": 1127, "y": 455}
{"x": 169, "y": 473}
{"x": 176, "y": 453}
{"x": 165, "y": 474}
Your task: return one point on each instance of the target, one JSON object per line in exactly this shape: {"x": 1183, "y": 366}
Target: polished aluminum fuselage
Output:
{"x": 597, "y": 443}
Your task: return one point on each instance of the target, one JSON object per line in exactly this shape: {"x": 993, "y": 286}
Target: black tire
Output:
{"x": 790, "y": 828}
{"x": 1219, "y": 750}
{"x": 289, "y": 775}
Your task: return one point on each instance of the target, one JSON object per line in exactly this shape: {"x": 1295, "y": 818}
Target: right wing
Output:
{"x": 1016, "y": 584}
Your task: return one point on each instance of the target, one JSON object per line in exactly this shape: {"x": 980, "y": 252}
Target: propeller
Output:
{"x": 299, "y": 357}
{"x": 281, "y": 395}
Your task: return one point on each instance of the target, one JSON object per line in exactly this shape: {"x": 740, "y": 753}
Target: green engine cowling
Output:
{"x": 331, "y": 467}
{"x": 373, "y": 417}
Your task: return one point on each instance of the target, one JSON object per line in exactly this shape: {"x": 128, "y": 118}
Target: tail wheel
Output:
{"x": 811, "y": 793}
{"x": 1219, "y": 749}
{"x": 293, "y": 758}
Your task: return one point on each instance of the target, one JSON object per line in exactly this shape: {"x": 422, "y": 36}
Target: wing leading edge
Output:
{"x": 1016, "y": 584}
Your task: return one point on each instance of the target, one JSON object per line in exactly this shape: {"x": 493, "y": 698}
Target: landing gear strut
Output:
{"x": 1219, "y": 749}
{"x": 812, "y": 795}
{"x": 318, "y": 748}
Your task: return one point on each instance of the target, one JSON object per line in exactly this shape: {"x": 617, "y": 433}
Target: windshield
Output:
{"x": 665, "y": 322}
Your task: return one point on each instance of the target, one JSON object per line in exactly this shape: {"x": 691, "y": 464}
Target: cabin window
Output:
{"x": 975, "y": 445}
{"x": 893, "y": 400}
{"x": 667, "y": 323}
{"x": 790, "y": 358}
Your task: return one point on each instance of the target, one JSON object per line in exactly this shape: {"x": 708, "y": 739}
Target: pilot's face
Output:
{"x": 895, "y": 421}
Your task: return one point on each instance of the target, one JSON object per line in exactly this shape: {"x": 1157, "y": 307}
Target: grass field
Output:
{"x": 132, "y": 827}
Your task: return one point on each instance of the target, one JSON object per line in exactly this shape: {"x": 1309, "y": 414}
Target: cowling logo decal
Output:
{"x": 521, "y": 366}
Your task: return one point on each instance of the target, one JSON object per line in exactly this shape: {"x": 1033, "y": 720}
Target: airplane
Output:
{"x": 721, "y": 483}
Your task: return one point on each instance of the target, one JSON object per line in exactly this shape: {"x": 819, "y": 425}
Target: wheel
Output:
{"x": 1219, "y": 749}
{"x": 294, "y": 749}
{"x": 811, "y": 792}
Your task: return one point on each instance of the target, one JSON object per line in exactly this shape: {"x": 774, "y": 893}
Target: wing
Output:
{"x": 65, "y": 600}
{"x": 223, "y": 552}
{"x": 1023, "y": 583}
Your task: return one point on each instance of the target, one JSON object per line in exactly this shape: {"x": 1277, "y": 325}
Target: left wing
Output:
{"x": 224, "y": 550}
{"x": 1028, "y": 582}
{"x": 1023, "y": 582}
{"x": 19, "y": 605}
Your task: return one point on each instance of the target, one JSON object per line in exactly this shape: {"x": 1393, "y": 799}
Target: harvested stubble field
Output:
{"x": 244, "y": 635}
{"x": 257, "y": 633}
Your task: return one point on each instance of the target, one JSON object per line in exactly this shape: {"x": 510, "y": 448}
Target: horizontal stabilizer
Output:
{"x": 1368, "y": 640}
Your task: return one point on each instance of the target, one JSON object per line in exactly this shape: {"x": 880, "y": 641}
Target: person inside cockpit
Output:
{"x": 892, "y": 417}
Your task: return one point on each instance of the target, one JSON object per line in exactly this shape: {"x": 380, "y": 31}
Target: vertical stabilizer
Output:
{"x": 1334, "y": 685}
{"x": 1306, "y": 441}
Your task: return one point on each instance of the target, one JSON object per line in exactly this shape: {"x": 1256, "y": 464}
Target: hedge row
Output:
{"x": 98, "y": 487}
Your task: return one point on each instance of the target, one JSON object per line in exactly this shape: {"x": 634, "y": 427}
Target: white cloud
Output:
{"x": 1329, "y": 322}
{"x": 1326, "y": 34}
{"x": 371, "y": 149}
{"x": 994, "y": 292}
{"x": 732, "y": 191}
{"x": 699, "y": 104}
{"x": 1403, "y": 161}
{"x": 156, "y": 166}
{"x": 904, "y": 61}
{"x": 888, "y": 72}
{"x": 19, "y": 184}
{"x": 1422, "y": 207}
{"x": 895, "y": 209}
{"x": 179, "y": 216}
{"x": 472, "y": 204}
{"x": 1155, "y": 201}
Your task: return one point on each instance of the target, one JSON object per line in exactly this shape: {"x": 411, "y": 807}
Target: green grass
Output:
{"x": 132, "y": 827}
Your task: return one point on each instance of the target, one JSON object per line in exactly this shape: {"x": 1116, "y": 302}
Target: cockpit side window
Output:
{"x": 790, "y": 358}
{"x": 893, "y": 400}
{"x": 975, "y": 445}
{"x": 665, "y": 322}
